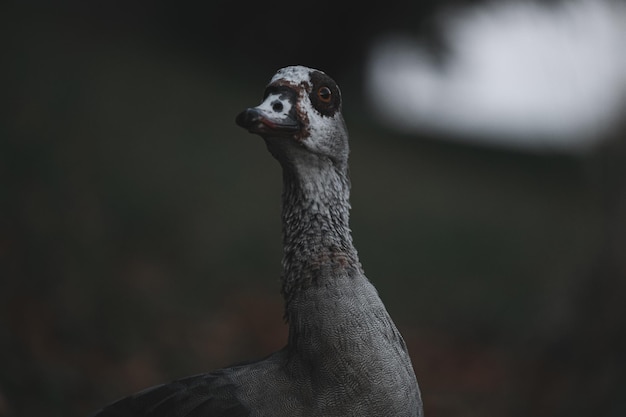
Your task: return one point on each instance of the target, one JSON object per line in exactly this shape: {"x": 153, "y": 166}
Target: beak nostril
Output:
{"x": 277, "y": 106}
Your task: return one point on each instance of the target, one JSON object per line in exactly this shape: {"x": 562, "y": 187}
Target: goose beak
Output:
{"x": 257, "y": 121}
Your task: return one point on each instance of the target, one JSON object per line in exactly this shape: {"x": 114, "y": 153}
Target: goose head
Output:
{"x": 300, "y": 116}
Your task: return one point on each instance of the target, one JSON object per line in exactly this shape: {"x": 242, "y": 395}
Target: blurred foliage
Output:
{"x": 140, "y": 232}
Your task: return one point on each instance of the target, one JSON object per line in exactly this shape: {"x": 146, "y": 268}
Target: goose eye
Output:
{"x": 324, "y": 94}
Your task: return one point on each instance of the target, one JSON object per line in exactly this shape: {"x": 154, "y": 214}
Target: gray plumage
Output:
{"x": 344, "y": 355}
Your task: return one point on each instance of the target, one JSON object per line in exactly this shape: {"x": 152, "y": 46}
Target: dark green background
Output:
{"x": 140, "y": 230}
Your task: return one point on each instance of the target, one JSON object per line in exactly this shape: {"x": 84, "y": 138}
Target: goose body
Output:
{"x": 344, "y": 355}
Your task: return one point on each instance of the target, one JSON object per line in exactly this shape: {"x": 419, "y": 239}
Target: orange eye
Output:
{"x": 324, "y": 94}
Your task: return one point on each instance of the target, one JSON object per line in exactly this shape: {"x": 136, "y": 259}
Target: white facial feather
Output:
{"x": 294, "y": 74}
{"x": 320, "y": 128}
{"x": 269, "y": 108}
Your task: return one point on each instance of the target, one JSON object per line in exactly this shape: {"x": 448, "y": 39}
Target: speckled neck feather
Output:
{"x": 316, "y": 232}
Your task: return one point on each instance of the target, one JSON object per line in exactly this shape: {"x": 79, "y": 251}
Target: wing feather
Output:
{"x": 205, "y": 395}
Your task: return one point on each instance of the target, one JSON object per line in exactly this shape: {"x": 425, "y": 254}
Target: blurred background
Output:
{"x": 140, "y": 238}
